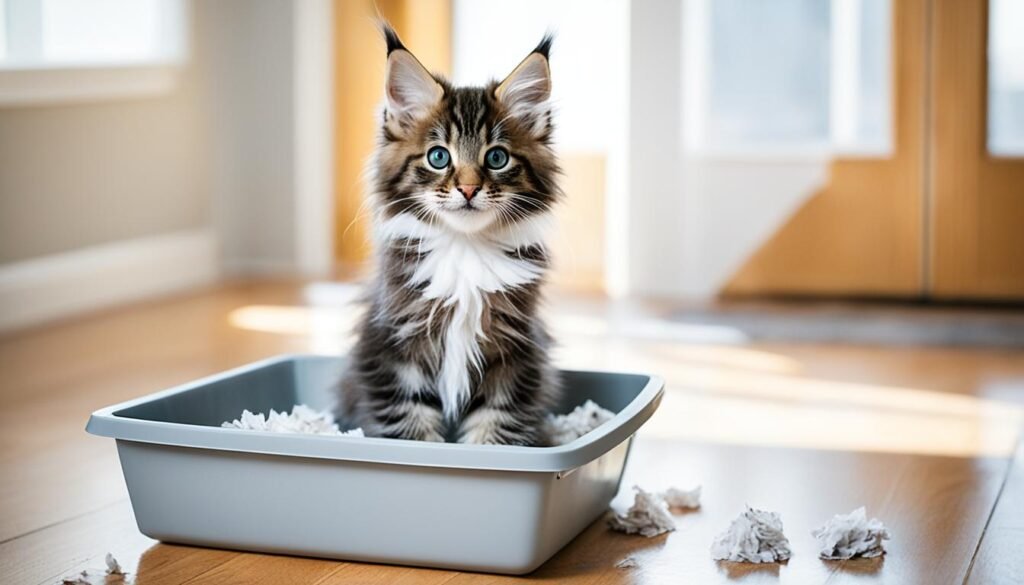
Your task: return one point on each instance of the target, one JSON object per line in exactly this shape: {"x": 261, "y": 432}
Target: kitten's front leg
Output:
{"x": 508, "y": 406}
{"x": 403, "y": 403}
{"x": 412, "y": 419}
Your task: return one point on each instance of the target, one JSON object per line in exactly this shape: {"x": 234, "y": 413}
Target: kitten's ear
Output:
{"x": 410, "y": 90}
{"x": 529, "y": 85}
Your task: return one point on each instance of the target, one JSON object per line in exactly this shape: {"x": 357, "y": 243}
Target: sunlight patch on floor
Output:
{"x": 329, "y": 329}
{"x": 727, "y": 393}
{"x": 752, "y": 420}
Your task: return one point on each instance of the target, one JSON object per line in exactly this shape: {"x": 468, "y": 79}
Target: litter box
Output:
{"x": 486, "y": 508}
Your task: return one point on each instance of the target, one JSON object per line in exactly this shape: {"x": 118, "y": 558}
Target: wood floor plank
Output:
{"x": 364, "y": 574}
{"x": 43, "y": 446}
{"x": 167, "y": 563}
{"x": 1000, "y": 555}
{"x": 44, "y": 556}
{"x": 256, "y": 569}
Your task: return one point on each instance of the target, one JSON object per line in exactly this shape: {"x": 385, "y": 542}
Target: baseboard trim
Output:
{"x": 43, "y": 289}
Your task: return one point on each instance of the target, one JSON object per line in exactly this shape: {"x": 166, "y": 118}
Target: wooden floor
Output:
{"x": 924, "y": 438}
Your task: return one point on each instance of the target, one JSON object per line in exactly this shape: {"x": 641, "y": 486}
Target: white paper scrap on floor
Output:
{"x": 753, "y": 537}
{"x": 851, "y": 535}
{"x": 650, "y": 513}
{"x": 685, "y": 499}
{"x": 648, "y": 516}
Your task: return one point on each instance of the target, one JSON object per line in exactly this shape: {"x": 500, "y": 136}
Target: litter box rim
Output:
{"x": 105, "y": 422}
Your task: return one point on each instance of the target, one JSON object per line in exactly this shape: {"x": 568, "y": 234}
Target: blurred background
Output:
{"x": 854, "y": 149}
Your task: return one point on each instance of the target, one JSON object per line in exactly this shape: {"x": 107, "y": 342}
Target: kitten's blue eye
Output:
{"x": 496, "y": 158}
{"x": 438, "y": 157}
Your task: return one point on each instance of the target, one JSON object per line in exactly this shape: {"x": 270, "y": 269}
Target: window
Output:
{"x": 53, "y": 50}
{"x": 1006, "y": 78}
{"x": 788, "y": 76}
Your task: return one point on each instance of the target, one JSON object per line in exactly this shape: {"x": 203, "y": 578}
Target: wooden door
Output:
{"x": 941, "y": 218}
{"x": 976, "y": 240}
{"x": 860, "y": 234}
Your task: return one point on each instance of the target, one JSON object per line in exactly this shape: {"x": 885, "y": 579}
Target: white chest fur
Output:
{"x": 459, "y": 270}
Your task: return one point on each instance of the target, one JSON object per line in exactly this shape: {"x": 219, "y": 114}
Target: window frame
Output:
{"x": 58, "y": 82}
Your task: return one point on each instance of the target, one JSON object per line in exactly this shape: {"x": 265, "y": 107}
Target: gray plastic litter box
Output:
{"x": 471, "y": 507}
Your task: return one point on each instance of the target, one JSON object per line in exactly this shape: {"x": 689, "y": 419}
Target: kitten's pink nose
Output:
{"x": 469, "y": 191}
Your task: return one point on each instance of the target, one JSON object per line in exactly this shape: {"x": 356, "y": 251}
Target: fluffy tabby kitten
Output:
{"x": 463, "y": 181}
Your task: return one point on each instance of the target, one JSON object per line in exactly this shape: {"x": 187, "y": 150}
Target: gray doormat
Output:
{"x": 867, "y": 323}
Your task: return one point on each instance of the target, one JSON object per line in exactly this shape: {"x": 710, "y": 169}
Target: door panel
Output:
{"x": 977, "y": 235}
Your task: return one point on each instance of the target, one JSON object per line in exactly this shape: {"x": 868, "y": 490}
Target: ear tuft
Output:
{"x": 544, "y": 47}
{"x": 391, "y": 37}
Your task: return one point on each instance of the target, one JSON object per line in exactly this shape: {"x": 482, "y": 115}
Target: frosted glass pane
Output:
{"x": 1006, "y": 77}
{"x": 790, "y": 75}
{"x": 3, "y": 31}
{"x": 768, "y": 73}
{"x": 97, "y": 31}
{"x": 874, "y": 123}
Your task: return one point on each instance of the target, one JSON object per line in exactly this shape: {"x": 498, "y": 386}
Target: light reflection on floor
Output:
{"x": 724, "y": 391}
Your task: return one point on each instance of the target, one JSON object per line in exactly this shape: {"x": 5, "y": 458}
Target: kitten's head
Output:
{"x": 467, "y": 158}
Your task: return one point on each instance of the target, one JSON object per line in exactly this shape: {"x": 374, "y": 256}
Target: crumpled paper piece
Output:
{"x": 301, "y": 420}
{"x": 650, "y": 513}
{"x": 627, "y": 563}
{"x": 851, "y": 535}
{"x": 753, "y": 537}
{"x": 113, "y": 567}
{"x": 648, "y": 516}
{"x": 566, "y": 428}
{"x": 97, "y": 577}
{"x": 686, "y": 499}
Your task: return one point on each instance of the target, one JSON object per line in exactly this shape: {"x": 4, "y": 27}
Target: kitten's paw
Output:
{"x": 478, "y": 438}
{"x": 490, "y": 426}
{"x": 431, "y": 437}
{"x": 418, "y": 422}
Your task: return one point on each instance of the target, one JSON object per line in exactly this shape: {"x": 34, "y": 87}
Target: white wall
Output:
{"x": 105, "y": 197}
{"x": 249, "y": 74}
{"x": 114, "y": 201}
{"x": 269, "y": 79}
{"x": 655, "y": 209}
{"x": 91, "y": 172}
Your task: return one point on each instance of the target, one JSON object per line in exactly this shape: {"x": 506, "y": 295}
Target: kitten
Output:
{"x": 463, "y": 180}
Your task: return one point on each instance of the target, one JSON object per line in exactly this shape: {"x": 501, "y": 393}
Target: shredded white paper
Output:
{"x": 851, "y": 535}
{"x": 301, "y": 420}
{"x": 82, "y": 578}
{"x": 113, "y": 574}
{"x": 754, "y": 537}
{"x": 627, "y": 563}
{"x": 686, "y": 499}
{"x": 648, "y": 516}
{"x": 113, "y": 567}
{"x": 566, "y": 428}
{"x": 650, "y": 513}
